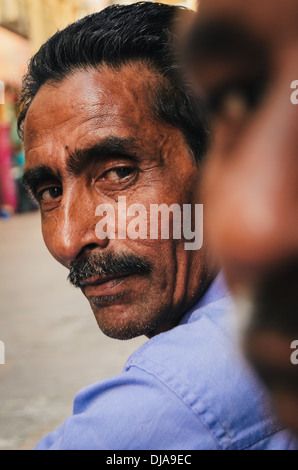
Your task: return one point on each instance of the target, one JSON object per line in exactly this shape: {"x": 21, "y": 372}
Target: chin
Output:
{"x": 123, "y": 321}
{"x": 123, "y": 331}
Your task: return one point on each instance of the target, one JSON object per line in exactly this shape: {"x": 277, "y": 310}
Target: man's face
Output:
{"x": 246, "y": 64}
{"x": 246, "y": 61}
{"x": 90, "y": 140}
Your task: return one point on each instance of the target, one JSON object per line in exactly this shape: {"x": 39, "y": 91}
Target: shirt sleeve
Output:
{"x": 133, "y": 411}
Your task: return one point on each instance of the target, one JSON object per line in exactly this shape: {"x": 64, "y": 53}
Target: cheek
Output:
{"x": 166, "y": 188}
{"x": 48, "y": 228}
{"x": 48, "y": 238}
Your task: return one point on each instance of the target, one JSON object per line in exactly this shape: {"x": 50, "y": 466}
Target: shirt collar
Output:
{"x": 216, "y": 291}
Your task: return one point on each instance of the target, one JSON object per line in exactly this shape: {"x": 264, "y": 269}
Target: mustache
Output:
{"x": 107, "y": 264}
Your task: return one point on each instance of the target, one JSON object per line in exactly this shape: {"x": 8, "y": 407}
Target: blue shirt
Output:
{"x": 186, "y": 389}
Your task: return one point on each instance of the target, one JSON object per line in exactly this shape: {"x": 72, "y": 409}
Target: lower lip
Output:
{"x": 107, "y": 288}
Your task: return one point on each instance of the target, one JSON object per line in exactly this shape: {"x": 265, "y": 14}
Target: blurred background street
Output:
{"x": 53, "y": 344}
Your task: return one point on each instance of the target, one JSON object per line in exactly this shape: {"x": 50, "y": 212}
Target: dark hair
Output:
{"x": 142, "y": 32}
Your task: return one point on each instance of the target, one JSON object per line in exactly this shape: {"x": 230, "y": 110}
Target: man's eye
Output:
{"x": 236, "y": 100}
{"x": 116, "y": 174}
{"x": 50, "y": 194}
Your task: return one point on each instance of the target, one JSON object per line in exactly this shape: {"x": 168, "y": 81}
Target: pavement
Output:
{"x": 53, "y": 346}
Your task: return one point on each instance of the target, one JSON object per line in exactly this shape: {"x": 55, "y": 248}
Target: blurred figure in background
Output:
{"x": 13, "y": 195}
{"x": 8, "y": 199}
{"x": 243, "y": 60}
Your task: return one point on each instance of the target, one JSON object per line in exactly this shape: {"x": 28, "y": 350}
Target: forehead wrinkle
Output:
{"x": 43, "y": 138}
{"x": 99, "y": 122}
{"x": 103, "y": 113}
{"x": 101, "y": 109}
{"x": 60, "y": 113}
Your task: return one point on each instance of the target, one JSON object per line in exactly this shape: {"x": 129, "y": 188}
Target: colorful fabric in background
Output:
{"x": 8, "y": 196}
{"x": 13, "y": 196}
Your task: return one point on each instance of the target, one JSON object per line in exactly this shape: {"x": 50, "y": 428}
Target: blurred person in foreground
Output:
{"x": 104, "y": 116}
{"x": 243, "y": 58}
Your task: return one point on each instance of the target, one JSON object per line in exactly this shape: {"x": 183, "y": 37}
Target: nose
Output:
{"x": 75, "y": 227}
{"x": 252, "y": 194}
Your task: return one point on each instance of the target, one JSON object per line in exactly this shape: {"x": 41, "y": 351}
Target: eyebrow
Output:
{"x": 79, "y": 159}
{"x": 35, "y": 176}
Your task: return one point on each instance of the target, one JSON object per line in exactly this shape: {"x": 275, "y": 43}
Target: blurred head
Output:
{"x": 243, "y": 60}
{"x": 106, "y": 119}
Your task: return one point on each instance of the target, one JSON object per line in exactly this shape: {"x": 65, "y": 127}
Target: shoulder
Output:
{"x": 184, "y": 389}
{"x": 202, "y": 364}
